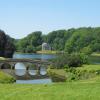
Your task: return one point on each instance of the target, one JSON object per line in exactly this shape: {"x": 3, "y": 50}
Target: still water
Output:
{"x": 36, "y": 81}
{"x": 20, "y": 68}
{"x": 34, "y": 56}
{"x": 94, "y": 59}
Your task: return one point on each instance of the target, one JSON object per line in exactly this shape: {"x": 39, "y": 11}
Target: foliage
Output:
{"x": 86, "y": 50}
{"x": 85, "y": 40}
{"x": 30, "y": 43}
{"x": 72, "y": 60}
{"x": 7, "y": 47}
{"x": 81, "y": 73}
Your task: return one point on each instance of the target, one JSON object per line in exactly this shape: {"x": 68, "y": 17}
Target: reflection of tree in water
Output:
{"x": 32, "y": 69}
{"x": 43, "y": 70}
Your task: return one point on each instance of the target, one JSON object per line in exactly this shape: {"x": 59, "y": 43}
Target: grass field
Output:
{"x": 75, "y": 90}
{"x": 81, "y": 90}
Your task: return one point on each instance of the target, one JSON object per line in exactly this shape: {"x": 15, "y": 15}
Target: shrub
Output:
{"x": 71, "y": 60}
{"x": 76, "y": 74}
{"x": 77, "y": 60}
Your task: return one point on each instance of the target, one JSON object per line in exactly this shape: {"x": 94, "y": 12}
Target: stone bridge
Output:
{"x": 30, "y": 69}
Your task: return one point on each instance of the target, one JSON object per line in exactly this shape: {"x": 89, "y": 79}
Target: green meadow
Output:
{"x": 81, "y": 90}
{"x": 88, "y": 89}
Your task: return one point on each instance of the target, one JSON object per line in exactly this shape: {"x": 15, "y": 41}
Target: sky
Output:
{"x": 18, "y": 18}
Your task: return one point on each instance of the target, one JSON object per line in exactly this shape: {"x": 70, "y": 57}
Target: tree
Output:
{"x": 6, "y": 46}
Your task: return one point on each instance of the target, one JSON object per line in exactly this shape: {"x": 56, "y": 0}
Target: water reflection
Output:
{"x": 94, "y": 60}
{"x": 37, "y": 81}
{"x": 32, "y": 71}
{"x": 20, "y": 69}
{"x": 34, "y": 56}
{"x": 43, "y": 70}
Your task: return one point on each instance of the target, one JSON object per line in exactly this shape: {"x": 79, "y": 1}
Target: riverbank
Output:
{"x": 42, "y": 52}
{"x": 2, "y": 58}
{"x": 74, "y": 74}
{"x": 96, "y": 54}
{"x": 47, "y": 52}
{"x": 6, "y": 78}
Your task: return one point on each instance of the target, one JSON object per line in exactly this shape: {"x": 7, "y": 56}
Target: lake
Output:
{"x": 92, "y": 59}
{"x": 34, "y": 56}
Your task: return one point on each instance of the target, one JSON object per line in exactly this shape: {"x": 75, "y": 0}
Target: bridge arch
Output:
{"x": 32, "y": 69}
{"x": 20, "y": 69}
{"x": 5, "y": 66}
{"x": 43, "y": 70}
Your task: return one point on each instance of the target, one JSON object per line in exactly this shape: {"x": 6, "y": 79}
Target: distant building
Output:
{"x": 46, "y": 46}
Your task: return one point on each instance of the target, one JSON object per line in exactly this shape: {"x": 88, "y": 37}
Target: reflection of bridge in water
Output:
{"x": 25, "y": 68}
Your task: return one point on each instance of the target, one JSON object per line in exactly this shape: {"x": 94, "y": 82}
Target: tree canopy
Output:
{"x": 6, "y": 45}
{"x": 85, "y": 40}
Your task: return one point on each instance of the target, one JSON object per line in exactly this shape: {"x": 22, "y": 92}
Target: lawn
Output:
{"x": 75, "y": 90}
{"x": 82, "y": 90}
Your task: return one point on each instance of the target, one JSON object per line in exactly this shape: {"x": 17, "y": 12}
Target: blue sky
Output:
{"x": 18, "y": 18}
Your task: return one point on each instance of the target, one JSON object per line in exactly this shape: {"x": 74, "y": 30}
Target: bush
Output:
{"x": 76, "y": 74}
{"x": 71, "y": 60}
{"x": 77, "y": 60}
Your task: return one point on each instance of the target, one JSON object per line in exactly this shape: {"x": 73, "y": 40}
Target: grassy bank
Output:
{"x": 47, "y": 52}
{"x": 41, "y": 52}
{"x": 96, "y": 54}
{"x": 57, "y": 75}
{"x": 79, "y": 73}
{"x": 89, "y": 67}
{"x": 2, "y": 58}
{"x": 5, "y": 78}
